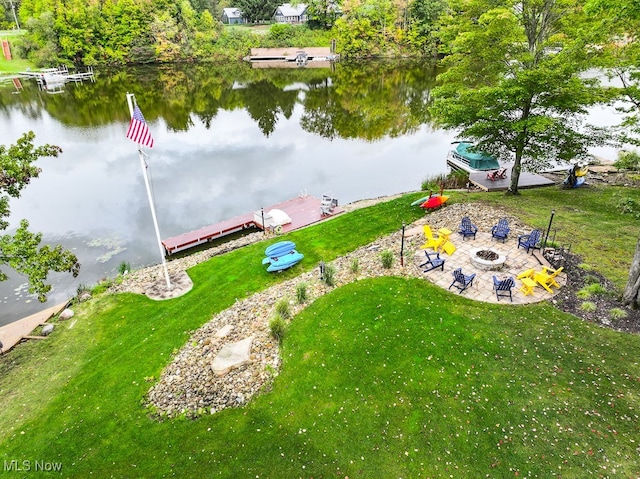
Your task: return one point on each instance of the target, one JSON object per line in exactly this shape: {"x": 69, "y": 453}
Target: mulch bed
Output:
{"x": 578, "y": 278}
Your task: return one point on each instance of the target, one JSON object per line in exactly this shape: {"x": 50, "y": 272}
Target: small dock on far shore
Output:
{"x": 309, "y": 57}
{"x": 53, "y": 80}
{"x": 303, "y": 211}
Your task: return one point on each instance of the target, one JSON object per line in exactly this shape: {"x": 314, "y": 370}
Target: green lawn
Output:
{"x": 16, "y": 65}
{"x": 381, "y": 378}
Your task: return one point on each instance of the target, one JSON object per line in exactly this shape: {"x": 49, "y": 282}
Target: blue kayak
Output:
{"x": 279, "y": 249}
{"x": 285, "y": 261}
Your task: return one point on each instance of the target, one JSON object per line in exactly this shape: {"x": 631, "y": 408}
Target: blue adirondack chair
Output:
{"x": 503, "y": 287}
{"x": 530, "y": 241}
{"x": 467, "y": 228}
{"x": 461, "y": 280}
{"x": 501, "y": 230}
{"x": 433, "y": 262}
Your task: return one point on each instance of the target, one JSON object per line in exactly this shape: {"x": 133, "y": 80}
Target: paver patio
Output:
{"x": 517, "y": 261}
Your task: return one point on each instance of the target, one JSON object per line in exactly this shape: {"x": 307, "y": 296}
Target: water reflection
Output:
{"x": 228, "y": 140}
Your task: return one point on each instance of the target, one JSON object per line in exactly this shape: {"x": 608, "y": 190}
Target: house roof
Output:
{"x": 288, "y": 10}
{"x": 232, "y": 12}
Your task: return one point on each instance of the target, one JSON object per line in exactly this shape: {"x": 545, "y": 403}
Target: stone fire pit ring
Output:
{"x": 496, "y": 263}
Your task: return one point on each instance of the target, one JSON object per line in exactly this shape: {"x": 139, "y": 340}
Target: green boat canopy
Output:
{"x": 478, "y": 161}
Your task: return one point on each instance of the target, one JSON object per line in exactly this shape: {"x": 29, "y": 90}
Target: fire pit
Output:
{"x": 487, "y": 259}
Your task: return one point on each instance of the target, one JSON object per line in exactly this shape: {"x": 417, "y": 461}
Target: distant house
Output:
{"x": 287, "y": 13}
{"x": 232, "y": 16}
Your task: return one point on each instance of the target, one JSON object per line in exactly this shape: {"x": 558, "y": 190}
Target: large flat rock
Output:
{"x": 231, "y": 356}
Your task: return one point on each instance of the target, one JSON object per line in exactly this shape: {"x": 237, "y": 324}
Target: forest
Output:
{"x": 120, "y": 32}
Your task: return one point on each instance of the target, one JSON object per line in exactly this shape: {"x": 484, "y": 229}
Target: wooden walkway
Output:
{"x": 12, "y": 333}
{"x": 303, "y": 211}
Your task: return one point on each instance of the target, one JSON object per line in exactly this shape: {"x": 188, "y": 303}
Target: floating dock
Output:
{"x": 310, "y": 57}
{"x": 303, "y": 211}
{"x": 53, "y": 80}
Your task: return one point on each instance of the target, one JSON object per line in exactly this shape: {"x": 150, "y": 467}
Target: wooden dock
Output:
{"x": 12, "y": 333}
{"x": 293, "y": 57}
{"x": 288, "y": 54}
{"x": 526, "y": 180}
{"x": 303, "y": 211}
{"x": 479, "y": 178}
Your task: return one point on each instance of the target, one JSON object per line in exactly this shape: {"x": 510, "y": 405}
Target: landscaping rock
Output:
{"x": 66, "y": 314}
{"x": 231, "y": 356}
{"x": 47, "y": 329}
{"x": 85, "y": 296}
{"x": 224, "y": 331}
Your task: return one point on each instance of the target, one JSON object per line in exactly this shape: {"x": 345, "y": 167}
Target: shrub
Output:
{"x": 329, "y": 275}
{"x": 584, "y": 293}
{"x": 283, "y": 308}
{"x": 617, "y": 313}
{"x": 596, "y": 288}
{"x": 629, "y": 206}
{"x": 355, "y": 265}
{"x": 281, "y": 31}
{"x": 628, "y": 160}
{"x": 591, "y": 289}
{"x": 82, "y": 288}
{"x": 124, "y": 267}
{"x": 591, "y": 279}
{"x": 387, "y": 259}
{"x": 588, "y": 306}
{"x": 301, "y": 292}
{"x": 454, "y": 180}
{"x": 278, "y": 328}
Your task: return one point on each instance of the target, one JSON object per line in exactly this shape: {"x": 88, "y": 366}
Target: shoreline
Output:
{"x": 154, "y": 273}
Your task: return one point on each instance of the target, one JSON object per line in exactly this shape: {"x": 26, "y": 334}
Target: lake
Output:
{"x": 228, "y": 140}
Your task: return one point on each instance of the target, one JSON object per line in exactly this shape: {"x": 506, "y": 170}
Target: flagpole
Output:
{"x": 130, "y": 101}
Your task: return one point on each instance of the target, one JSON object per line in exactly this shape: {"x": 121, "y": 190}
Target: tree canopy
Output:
{"x": 514, "y": 83}
{"x": 23, "y": 251}
{"x": 618, "y": 24}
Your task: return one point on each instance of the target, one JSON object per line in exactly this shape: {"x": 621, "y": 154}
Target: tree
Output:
{"x": 424, "y": 22}
{"x": 514, "y": 83}
{"x": 22, "y": 251}
{"x": 256, "y": 10}
{"x": 322, "y": 13}
{"x": 366, "y": 27}
{"x": 618, "y": 23}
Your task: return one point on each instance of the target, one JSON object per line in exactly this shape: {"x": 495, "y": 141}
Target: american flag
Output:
{"x": 138, "y": 130}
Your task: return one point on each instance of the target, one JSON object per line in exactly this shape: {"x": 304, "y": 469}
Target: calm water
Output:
{"x": 227, "y": 141}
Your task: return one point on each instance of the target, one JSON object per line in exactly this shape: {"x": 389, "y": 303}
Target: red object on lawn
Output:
{"x": 434, "y": 202}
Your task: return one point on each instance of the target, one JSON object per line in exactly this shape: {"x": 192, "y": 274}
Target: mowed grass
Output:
{"x": 384, "y": 378}
{"x": 16, "y": 65}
